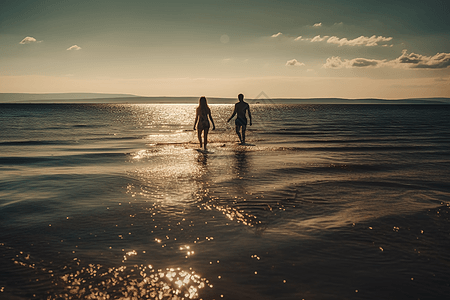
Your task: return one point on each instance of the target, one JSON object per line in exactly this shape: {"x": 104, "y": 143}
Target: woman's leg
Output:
{"x": 205, "y": 136}
{"x": 199, "y": 134}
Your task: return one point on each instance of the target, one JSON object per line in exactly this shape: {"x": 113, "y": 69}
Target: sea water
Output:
{"x": 112, "y": 201}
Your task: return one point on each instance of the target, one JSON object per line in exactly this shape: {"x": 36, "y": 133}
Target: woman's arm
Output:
{"x": 212, "y": 121}
{"x": 196, "y": 118}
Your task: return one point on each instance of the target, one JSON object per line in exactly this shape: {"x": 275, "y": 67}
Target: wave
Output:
{"x": 360, "y": 148}
{"x": 63, "y": 160}
{"x": 36, "y": 143}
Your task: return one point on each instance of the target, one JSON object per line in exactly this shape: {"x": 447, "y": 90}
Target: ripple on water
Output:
{"x": 77, "y": 279}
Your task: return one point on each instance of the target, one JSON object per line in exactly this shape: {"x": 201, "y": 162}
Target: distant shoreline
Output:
{"x": 92, "y": 98}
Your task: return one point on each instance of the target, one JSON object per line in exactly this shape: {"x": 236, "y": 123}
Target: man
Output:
{"x": 241, "y": 108}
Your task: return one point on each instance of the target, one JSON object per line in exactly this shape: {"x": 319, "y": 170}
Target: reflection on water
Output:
{"x": 114, "y": 202}
{"x": 240, "y": 170}
{"x": 202, "y": 159}
{"x": 241, "y": 163}
{"x": 136, "y": 282}
{"x": 96, "y": 281}
{"x": 230, "y": 201}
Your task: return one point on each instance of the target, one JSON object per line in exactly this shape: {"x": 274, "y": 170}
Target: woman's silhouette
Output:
{"x": 202, "y": 122}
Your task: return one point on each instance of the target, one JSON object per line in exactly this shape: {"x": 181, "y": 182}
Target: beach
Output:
{"x": 325, "y": 201}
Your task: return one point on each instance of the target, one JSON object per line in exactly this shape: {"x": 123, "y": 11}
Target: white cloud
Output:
{"x": 317, "y": 25}
{"x": 277, "y": 35}
{"x": 359, "y": 41}
{"x": 362, "y": 40}
{"x": 294, "y": 62}
{"x": 418, "y": 61}
{"x": 335, "y": 62}
{"x": 74, "y": 47}
{"x": 29, "y": 40}
{"x": 407, "y": 61}
{"x": 317, "y": 38}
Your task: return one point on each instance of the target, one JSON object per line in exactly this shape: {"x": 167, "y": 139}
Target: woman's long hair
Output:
{"x": 203, "y": 105}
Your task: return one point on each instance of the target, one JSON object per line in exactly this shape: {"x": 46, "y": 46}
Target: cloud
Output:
{"x": 405, "y": 60}
{"x": 317, "y": 38}
{"x": 362, "y": 40}
{"x": 335, "y": 62}
{"x": 294, "y": 62}
{"x": 317, "y": 25}
{"x": 364, "y": 62}
{"x": 74, "y": 47}
{"x": 276, "y": 35}
{"x": 29, "y": 40}
{"x": 418, "y": 61}
{"x": 359, "y": 41}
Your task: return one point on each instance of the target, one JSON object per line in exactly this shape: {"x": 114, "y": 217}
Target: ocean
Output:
{"x": 325, "y": 201}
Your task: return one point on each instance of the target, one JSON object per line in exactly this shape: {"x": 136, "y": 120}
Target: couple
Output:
{"x": 202, "y": 122}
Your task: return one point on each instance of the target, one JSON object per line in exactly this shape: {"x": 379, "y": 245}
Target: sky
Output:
{"x": 286, "y": 49}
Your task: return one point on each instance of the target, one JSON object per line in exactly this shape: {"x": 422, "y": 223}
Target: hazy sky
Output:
{"x": 297, "y": 49}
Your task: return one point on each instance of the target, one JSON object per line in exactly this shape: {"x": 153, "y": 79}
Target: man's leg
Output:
{"x": 238, "y": 133}
{"x": 244, "y": 127}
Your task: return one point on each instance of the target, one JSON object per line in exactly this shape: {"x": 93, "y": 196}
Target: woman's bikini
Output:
{"x": 203, "y": 121}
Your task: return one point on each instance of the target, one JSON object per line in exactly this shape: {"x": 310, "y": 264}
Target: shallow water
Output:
{"x": 107, "y": 201}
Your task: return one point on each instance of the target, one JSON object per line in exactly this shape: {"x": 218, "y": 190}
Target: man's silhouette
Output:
{"x": 241, "y": 108}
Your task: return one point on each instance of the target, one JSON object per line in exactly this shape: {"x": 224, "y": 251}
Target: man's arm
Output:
{"x": 249, "y": 114}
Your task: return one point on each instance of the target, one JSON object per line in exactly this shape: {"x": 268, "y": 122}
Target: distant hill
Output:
{"x": 25, "y": 97}
{"x": 126, "y": 98}
{"x": 356, "y": 101}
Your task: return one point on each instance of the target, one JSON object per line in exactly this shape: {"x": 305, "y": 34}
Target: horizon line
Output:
{"x": 127, "y": 95}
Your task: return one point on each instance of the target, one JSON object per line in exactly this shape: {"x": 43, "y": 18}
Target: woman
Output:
{"x": 202, "y": 122}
